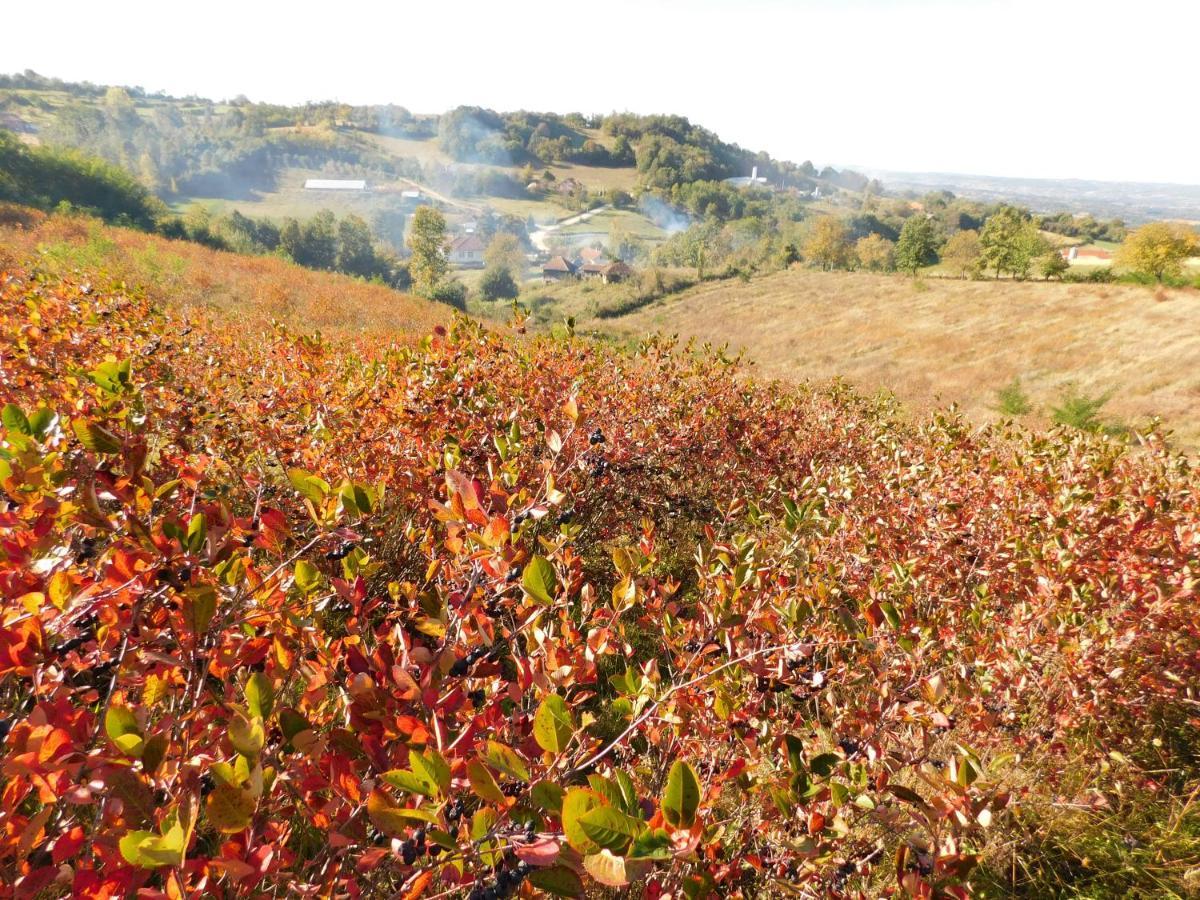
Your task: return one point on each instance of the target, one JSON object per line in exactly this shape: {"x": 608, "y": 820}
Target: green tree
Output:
{"x": 918, "y": 244}
{"x": 504, "y": 254}
{"x": 961, "y": 254}
{"x": 427, "y": 241}
{"x": 622, "y": 244}
{"x": 355, "y": 248}
{"x": 1010, "y": 242}
{"x": 1158, "y": 250}
{"x": 498, "y": 284}
{"x": 1052, "y": 265}
{"x": 319, "y": 242}
{"x": 290, "y": 239}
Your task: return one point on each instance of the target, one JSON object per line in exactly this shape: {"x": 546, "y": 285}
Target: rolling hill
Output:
{"x": 938, "y": 341}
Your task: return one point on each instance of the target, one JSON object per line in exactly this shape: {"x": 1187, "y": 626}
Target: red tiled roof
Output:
{"x": 558, "y": 264}
{"x": 465, "y": 243}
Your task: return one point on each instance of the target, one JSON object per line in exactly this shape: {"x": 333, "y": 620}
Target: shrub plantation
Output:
{"x": 472, "y": 614}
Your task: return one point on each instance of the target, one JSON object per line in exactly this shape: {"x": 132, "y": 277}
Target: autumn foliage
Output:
{"x": 493, "y": 616}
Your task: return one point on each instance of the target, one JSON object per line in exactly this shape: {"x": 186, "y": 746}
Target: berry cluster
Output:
{"x": 463, "y": 666}
{"x": 505, "y": 884}
{"x": 413, "y": 848}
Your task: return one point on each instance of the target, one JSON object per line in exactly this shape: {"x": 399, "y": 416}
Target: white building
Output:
{"x": 335, "y": 184}
{"x": 748, "y": 181}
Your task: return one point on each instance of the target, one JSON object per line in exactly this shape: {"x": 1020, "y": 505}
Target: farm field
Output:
{"x": 940, "y": 340}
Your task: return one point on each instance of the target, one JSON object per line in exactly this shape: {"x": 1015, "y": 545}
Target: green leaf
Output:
{"x": 309, "y": 486}
{"x": 506, "y": 761}
{"x": 629, "y": 798}
{"x": 392, "y": 820}
{"x": 610, "y": 828}
{"x": 95, "y": 437}
{"x": 824, "y": 764}
{"x": 431, "y": 766}
{"x": 558, "y": 881}
{"x": 539, "y": 580}
{"x": 308, "y": 577}
{"x": 14, "y": 420}
{"x": 197, "y": 530}
{"x": 482, "y": 823}
{"x": 200, "y": 607}
{"x": 292, "y": 723}
{"x": 112, "y": 376}
{"x": 149, "y": 850}
{"x": 410, "y": 782}
{"x": 606, "y": 789}
{"x": 122, "y": 728}
{"x": 154, "y": 752}
{"x": 229, "y": 808}
{"x": 553, "y": 725}
{"x": 682, "y": 797}
{"x": 548, "y": 796}
{"x": 246, "y": 735}
{"x": 577, "y": 803}
{"x": 41, "y": 420}
{"x": 260, "y": 695}
{"x": 655, "y": 844}
{"x": 484, "y": 783}
{"x": 355, "y": 498}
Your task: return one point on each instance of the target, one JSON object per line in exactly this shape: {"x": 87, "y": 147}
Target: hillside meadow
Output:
{"x": 185, "y": 275}
{"x": 936, "y": 341}
{"x": 434, "y": 610}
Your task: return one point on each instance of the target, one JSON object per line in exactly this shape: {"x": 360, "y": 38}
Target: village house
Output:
{"x": 616, "y": 272}
{"x": 557, "y": 269}
{"x": 466, "y": 252}
{"x": 591, "y": 256}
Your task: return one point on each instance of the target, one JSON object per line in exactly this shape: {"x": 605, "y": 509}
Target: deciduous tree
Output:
{"x": 827, "y": 246}
{"x": 875, "y": 253}
{"x": 427, "y": 241}
{"x": 918, "y": 244}
{"x": 1158, "y": 250}
{"x": 962, "y": 253}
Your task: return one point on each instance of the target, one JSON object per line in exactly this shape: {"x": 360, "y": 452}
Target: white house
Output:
{"x": 466, "y": 252}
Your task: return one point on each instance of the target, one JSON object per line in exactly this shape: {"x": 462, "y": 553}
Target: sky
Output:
{"x": 1029, "y": 88}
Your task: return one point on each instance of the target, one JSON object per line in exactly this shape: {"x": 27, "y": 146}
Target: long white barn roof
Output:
{"x": 334, "y": 184}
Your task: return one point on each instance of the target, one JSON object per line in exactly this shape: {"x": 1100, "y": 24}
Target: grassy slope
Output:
{"x": 956, "y": 340}
{"x": 183, "y": 274}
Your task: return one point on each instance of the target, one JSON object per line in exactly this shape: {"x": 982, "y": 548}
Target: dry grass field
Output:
{"x": 938, "y": 341}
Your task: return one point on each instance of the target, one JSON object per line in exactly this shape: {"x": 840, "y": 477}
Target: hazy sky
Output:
{"x": 1098, "y": 89}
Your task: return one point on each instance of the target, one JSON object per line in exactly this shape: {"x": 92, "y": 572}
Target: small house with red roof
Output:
{"x": 557, "y": 269}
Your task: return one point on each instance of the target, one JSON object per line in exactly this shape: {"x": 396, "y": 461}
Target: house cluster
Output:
{"x": 589, "y": 263}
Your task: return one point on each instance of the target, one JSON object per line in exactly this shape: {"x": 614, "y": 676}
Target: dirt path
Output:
{"x": 540, "y": 236}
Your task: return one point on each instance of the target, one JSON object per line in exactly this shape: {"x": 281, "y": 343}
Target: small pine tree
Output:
{"x": 1012, "y": 400}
